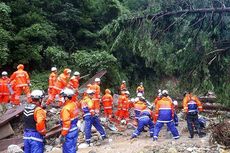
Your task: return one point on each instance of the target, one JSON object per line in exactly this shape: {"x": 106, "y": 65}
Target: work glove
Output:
{"x": 62, "y": 139}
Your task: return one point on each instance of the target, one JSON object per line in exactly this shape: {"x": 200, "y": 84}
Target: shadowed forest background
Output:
{"x": 163, "y": 43}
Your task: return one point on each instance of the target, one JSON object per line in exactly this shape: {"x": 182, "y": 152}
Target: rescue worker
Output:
{"x": 145, "y": 119}
{"x": 34, "y": 118}
{"x": 140, "y": 89}
{"x": 96, "y": 98}
{"x": 139, "y": 105}
{"x": 107, "y": 101}
{"x": 164, "y": 113}
{"x": 91, "y": 116}
{"x": 52, "y": 80}
{"x": 192, "y": 106}
{"x": 22, "y": 82}
{"x": 158, "y": 97}
{"x": 74, "y": 84}
{"x": 123, "y": 86}
{"x": 4, "y": 88}
{"x": 60, "y": 84}
{"x": 69, "y": 119}
{"x": 88, "y": 88}
{"x": 12, "y": 85}
{"x": 123, "y": 106}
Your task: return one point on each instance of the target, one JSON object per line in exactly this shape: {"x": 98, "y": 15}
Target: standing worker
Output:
{"x": 96, "y": 98}
{"x": 107, "y": 101}
{"x": 123, "y": 106}
{"x": 22, "y": 83}
{"x": 164, "y": 113}
{"x": 34, "y": 118}
{"x": 123, "y": 86}
{"x": 192, "y": 106}
{"x": 69, "y": 119}
{"x": 5, "y": 88}
{"x": 139, "y": 105}
{"x": 52, "y": 80}
{"x": 60, "y": 84}
{"x": 91, "y": 116}
{"x": 140, "y": 89}
{"x": 74, "y": 84}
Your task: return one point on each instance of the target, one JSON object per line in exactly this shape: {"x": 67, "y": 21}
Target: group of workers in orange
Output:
{"x": 65, "y": 89}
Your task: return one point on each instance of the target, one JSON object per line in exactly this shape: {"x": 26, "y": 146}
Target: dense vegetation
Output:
{"x": 184, "y": 51}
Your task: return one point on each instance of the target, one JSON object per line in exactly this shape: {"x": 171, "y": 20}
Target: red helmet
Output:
{"x": 107, "y": 91}
{"x": 20, "y": 66}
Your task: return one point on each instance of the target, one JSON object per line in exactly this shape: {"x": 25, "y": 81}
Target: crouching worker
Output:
{"x": 145, "y": 119}
{"x": 91, "y": 117}
{"x": 69, "y": 119}
{"x": 164, "y": 113}
{"x": 34, "y": 118}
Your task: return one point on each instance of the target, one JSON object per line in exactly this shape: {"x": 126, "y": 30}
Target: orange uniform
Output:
{"x": 96, "y": 98}
{"x": 40, "y": 118}
{"x": 123, "y": 107}
{"x": 191, "y": 103}
{"x": 107, "y": 101}
{"x": 69, "y": 117}
{"x": 74, "y": 84}
{"x": 4, "y": 90}
{"x": 52, "y": 80}
{"x": 164, "y": 110}
{"x": 60, "y": 84}
{"x": 22, "y": 82}
{"x": 156, "y": 100}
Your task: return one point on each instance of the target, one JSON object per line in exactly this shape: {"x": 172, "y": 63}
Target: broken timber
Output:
{"x": 6, "y": 142}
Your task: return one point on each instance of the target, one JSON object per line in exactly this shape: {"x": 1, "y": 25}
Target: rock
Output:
{"x": 93, "y": 130}
{"x": 97, "y": 143}
{"x": 83, "y": 145}
{"x": 14, "y": 149}
{"x": 48, "y": 148}
{"x": 92, "y": 151}
{"x": 81, "y": 125}
{"x": 94, "y": 138}
{"x": 56, "y": 150}
{"x": 172, "y": 150}
{"x": 189, "y": 149}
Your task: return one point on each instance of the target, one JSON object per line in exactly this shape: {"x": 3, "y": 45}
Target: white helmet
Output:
{"x": 165, "y": 92}
{"x": 123, "y": 81}
{"x": 132, "y": 100}
{"x": 127, "y": 92}
{"x": 76, "y": 73}
{"x": 4, "y": 73}
{"x": 123, "y": 122}
{"x": 139, "y": 94}
{"x": 37, "y": 94}
{"x": 67, "y": 93}
{"x": 175, "y": 103}
{"x": 159, "y": 91}
{"x": 89, "y": 92}
{"x": 53, "y": 69}
{"x": 97, "y": 80}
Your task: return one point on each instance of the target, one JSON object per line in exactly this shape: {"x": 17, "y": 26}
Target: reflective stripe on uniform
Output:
{"x": 164, "y": 121}
{"x": 33, "y": 138}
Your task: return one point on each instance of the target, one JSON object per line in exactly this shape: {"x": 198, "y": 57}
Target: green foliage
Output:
{"x": 39, "y": 80}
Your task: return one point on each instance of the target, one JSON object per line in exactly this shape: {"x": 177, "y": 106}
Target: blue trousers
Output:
{"x": 142, "y": 122}
{"x": 170, "y": 125}
{"x": 71, "y": 142}
{"x": 89, "y": 121}
{"x": 33, "y": 142}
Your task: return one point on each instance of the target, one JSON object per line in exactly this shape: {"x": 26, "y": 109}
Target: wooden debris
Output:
{"x": 6, "y": 130}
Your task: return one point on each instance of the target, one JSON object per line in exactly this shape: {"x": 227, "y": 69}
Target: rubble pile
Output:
{"x": 220, "y": 133}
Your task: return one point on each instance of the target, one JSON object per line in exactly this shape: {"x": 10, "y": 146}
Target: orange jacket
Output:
{"x": 40, "y": 118}
{"x": 123, "y": 103}
{"x": 4, "y": 90}
{"x": 62, "y": 81}
{"x": 191, "y": 103}
{"x": 96, "y": 88}
{"x": 123, "y": 87}
{"x": 107, "y": 100}
{"x": 139, "y": 106}
{"x": 73, "y": 83}
{"x": 88, "y": 106}
{"x": 164, "y": 110}
{"x": 52, "y": 79}
{"x": 156, "y": 100}
{"x": 21, "y": 77}
{"x": 140, "y": 89}
{"x": 69, "y": 115}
